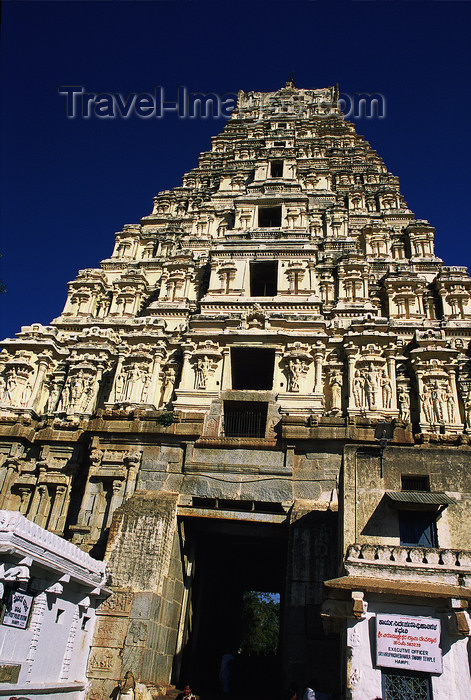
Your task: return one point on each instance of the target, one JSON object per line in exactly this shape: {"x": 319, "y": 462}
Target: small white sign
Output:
{"x": 17, "y": 610}
{"x": 411, "y": 643}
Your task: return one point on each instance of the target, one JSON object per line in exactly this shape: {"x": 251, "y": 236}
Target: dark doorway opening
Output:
{"x": 264, "y": 279}
{"x": 237, "y": 567}
{"x": 252, "y": 368}
{"x": 276, "y": 168}
{"x": 269, "y": 217}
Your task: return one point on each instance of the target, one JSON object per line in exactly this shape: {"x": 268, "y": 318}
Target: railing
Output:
{"x": 409, "y": 556}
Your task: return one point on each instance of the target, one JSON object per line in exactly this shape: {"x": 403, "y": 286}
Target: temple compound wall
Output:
{"x": 266, "y": 387}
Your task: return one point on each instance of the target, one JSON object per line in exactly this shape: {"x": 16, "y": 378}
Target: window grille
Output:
{"x": 411, "y": 482}
{"x": 398, "y": 686}
{"x": 245, "y": 419}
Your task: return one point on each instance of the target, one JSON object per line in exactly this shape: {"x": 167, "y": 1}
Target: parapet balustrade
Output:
{"x": 408, "y": 558}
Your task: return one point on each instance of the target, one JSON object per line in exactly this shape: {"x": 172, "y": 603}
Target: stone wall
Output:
{"x": 312, "y": 553}
{"x": 137, "y": 628}
{"x": 367, "y": 514}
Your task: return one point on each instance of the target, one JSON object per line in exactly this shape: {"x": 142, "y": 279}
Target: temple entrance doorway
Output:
{"x": 234, "y": 605}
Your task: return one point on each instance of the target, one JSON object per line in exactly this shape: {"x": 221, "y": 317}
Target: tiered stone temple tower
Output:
{"x": 267, "y": 386}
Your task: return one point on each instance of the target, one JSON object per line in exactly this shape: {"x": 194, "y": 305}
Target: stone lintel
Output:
{"x": 417, "y": 589}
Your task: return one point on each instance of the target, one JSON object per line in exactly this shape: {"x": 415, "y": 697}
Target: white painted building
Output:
{"x": 50, "y": 590}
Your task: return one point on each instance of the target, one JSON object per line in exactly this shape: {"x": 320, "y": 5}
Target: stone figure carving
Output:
{"x": 426, "y": 399}
{"x": 26, "y": 394}
{"x": 11, "y": 385}
{"x": 203, "y": 367}
{"x": 76, "y": 390}
{"x": 131, "y": 380}
{"x": 465, "y": 393}
{"x": 438, "y": 402}
{"x": 88, "y": 390}
{"x": 295, "y": 369}
{"x": 145, "y": 386}
{"x": 118, "y": 387}
{"x": 336, "y": 388}
{"x": 53, "y": 396}
{"x": 467, "y": 410}
{"x": 358, "y": 386}
{"x": 450, "y": 403}
{"x": 386, "y": 389}
{"x": 371, "y": 387}
{"x": 2, "y": 387}
{"x": 404, "y": 404}
{"x": 168, "y": 384}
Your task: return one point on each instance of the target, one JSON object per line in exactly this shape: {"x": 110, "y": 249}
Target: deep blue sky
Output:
{"x": 69, "y": 184}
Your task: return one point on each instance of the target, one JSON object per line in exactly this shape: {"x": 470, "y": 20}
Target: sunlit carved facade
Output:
{"x": 237, "y": 360}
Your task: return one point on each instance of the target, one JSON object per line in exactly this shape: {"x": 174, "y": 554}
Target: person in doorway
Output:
{"x": 225, "y": 672}
{"x": 187, "y": 693}
{"x": 311, "y": 693}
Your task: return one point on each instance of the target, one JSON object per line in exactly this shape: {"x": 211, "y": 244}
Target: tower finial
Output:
{"x": 290, "y": 82}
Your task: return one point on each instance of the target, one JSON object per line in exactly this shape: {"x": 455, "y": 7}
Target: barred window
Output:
{"x": 406, "y": 686}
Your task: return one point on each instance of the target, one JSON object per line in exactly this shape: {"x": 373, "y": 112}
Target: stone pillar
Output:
{"x": 226, "y": 382}
{"x": 84, "y": 506}
{"x": 319, "y": 359}
{"x": 115, "y": 393}
{"x": 351, "y": 353}
{"x": 420, "y": 387}
{"x": 11, "y": 469}
{"x": 452, "y": 375}
{"x": 277, "y": 375}
{"x": 391, "y": 363}
{"x": 35, "y": 399}
{"x": 133, "y": 463}
{"x": 187, "y": 380}
{"x": 116, "y": 500}
{"x": 153, "y": 395}
{"x": 57, "y": 517}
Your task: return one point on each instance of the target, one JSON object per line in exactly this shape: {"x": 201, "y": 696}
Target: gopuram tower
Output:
{"x": 265, "y": 387}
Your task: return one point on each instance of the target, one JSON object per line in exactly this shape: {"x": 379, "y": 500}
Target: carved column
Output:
{"x": 57, "y": 517}
{"x": 319, "y": 360}
{"x": 226, "y": 382}
{"x": 25, "y": 495}
{"x": 38, "y": 505}
{"x": 351, "y": 354}
{"x": 187, "y": 372}
{"x": 96, "y": 387}
{"x": 37, "y": 616}
{"x": 391, "y": 363}
{"x": 420, "y": 388}
{"x": 116, "y": 500}
{"x": 277, "y": 375}
{"x": 452, "y": 375}
{"x": 11, "y": 469}
{"x": 116, "y": 391}
{"x": 35, "y": 399}
{"x": 153, "y": 394}
{"x": 133, "y": 469}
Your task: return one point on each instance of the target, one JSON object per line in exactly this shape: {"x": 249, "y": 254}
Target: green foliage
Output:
{"x": 260, "y": 624}
{"x": 165, "y": 419}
